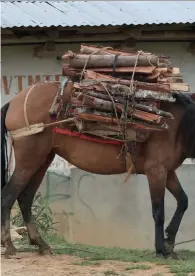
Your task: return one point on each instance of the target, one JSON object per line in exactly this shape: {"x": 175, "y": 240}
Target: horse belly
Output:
{"x": 91, "y": 156}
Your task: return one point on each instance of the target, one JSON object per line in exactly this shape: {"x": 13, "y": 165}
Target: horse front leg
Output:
{"x": 174, "y": 187}
{"x": 157, "y": 177}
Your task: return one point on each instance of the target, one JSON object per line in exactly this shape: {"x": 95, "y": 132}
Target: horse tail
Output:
{"x": 4, "y": 147}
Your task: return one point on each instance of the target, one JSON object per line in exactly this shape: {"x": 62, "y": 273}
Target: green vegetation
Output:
{"x": 138, "y": 267}
{"x": 86, "y": 263}
{"x": 93, "y": 255}
{"x": 110, "y": 273}
{"x": 41, "y": 211}
{"x": 183, "y": 268}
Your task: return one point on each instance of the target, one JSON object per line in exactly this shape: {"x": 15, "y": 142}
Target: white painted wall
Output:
{"x": 20, "y": 61}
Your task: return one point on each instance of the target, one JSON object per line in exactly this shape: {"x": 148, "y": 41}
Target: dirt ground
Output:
{"x": 25, "y": 264}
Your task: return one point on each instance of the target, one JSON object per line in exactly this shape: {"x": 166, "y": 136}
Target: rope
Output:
{"x": 123, "y": 132}
{"x": 182, "y": 242}
{"x": 60, "y": 90}
{"x": 82, "y": 73}
{"x": 87, "y": 251}
{"x": 83, "y": 70}
{"x": 59, "y": 122}
{"x": 116, "y": 114}
{"x": 178, "y": 243}
{"x": 131, "y": 89}
{"x": 114, "y": 65}
{"x": 25, "y": 105}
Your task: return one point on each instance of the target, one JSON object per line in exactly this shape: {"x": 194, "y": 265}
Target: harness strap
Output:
{"x": 25, "y": 105}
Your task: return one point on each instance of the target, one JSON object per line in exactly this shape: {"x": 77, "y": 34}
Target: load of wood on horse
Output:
{"x": 114, "y": 112}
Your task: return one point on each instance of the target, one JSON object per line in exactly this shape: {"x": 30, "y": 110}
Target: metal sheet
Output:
{"x": 94, "y": 13}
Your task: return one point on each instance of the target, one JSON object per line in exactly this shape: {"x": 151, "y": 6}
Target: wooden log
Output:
{"x": 85, "y": 125}
{"x": 169, "y": 74}
{"x": 99, "y": 50}
{"x": 85, "y": 114}
{"x": 181, "y": 87}
{"x": 81, "y": 61}
{"x": 96, "y": 95}
{"x": 138, "y": 70}
{"x": 122, "y": 90}
{"x": 118, "y": 91}
{"x": 102, "y": 132}
{"x": 145, "y": 70}
{"x": 130, "y": 135}
{"x": 95, "y": 102}
{"x": 141, "y": 115}
{"x": 149, "y": 109}
{"x": 167, "y": 87}
{"x": 153, "y": 76}
{"x": 174, "y": 71}
{"x": 89, "y": 86}
{"x": 140, "y": 85}
{"x": 93, "y": 49}
{"x": 170, "y": 80}
{"x": 105, "y": 130}
{"x": 100, "y": 104}
{"x": 153, "y": 109}
{"x": 108, "y": 106}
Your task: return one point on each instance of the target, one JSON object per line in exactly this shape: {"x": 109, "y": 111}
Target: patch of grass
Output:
{"x": 110, "y": 273}
{"x": 95, "y": 253}
{"x": 181, "y": 274}
{"x": 86, "y": 263}
{"x": 183, "y": 267}
{"x": 138, "y": 267}
{"x": 41, "y": 211}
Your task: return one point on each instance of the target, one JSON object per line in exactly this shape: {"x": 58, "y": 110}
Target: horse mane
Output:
{"x": 186, "y": 128}
{"x": 183, "y": 99}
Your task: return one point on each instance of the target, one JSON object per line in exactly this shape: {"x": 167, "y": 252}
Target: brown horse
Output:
{"x": 157, "y": 158}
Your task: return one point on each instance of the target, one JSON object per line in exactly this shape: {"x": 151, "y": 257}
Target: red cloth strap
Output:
{"x": 85, "y": 137}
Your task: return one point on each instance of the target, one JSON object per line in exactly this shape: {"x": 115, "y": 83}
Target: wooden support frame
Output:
{"x": 97, "y": 34}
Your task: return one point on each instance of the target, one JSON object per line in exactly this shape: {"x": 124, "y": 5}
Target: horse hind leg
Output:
{"x": 30, "y": 155}
{"x": 174, "y": 187}
{"x": 25, "y": 201}
{"x": 9, "y": 195}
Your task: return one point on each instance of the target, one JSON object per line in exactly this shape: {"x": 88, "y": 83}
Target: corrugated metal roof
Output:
{"x": 95, "y": 13}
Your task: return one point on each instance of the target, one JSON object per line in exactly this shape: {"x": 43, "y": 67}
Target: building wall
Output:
{"x": 105, "y": 211}
{"x": 20, "y": 67}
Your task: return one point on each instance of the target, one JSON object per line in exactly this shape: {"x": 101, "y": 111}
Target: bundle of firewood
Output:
{"x": 116, "y": 92}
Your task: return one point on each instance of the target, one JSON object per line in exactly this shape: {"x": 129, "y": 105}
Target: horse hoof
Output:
{"x": 168, "y": 256}
{"x": 45, "y": 251}
{"x": 10, "y": 251}
{"x": 173, "y": 256}
{"x": 168, "y": 246}
{"x": 160, "y": 256}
